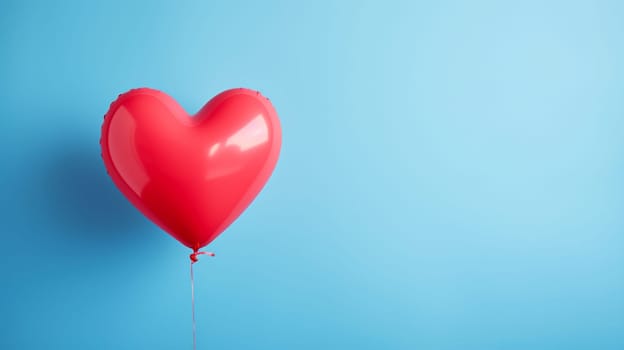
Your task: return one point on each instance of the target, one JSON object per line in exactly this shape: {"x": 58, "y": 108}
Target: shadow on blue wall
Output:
{"x": 81, "y": 201}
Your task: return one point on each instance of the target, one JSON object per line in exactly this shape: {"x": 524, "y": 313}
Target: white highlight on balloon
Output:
{"x": 251, "y": 135}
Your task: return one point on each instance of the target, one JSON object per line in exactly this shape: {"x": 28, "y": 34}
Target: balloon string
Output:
{"x": 194, "y": 259}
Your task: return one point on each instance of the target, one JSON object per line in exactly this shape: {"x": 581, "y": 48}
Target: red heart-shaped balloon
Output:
{"x": 192, "y": 176}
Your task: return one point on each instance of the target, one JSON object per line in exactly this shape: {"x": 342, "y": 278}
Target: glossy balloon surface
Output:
{"x": 191, "y": 175}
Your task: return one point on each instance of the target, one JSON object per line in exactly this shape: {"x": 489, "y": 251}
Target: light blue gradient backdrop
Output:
{"x": 452, "y": 176}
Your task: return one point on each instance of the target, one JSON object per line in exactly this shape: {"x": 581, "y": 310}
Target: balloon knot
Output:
{"x": 194, "y": 255}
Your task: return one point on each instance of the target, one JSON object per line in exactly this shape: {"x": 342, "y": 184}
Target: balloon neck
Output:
{"x": 195, "y": 253}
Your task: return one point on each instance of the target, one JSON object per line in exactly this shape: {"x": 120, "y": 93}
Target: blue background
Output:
{"x": 452, "y": 176}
